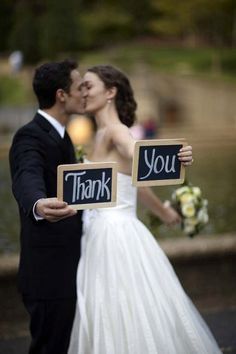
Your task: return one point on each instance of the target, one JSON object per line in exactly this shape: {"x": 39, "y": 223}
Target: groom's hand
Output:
{"x": 53, "y": 209}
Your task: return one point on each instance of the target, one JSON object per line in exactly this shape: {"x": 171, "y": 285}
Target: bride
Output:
{"x": 129, "y": 298}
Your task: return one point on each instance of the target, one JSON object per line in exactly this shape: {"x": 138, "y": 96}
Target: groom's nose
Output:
{"x": 84, "y": 91}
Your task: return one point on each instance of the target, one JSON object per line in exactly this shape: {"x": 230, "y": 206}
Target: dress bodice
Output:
{"x": 125, "y": 202}
{"x": 126, "y": 194}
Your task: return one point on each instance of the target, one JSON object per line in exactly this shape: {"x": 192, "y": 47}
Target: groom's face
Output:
{"x": 74, "y": 102}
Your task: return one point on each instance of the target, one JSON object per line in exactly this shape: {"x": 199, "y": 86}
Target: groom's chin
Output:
{"x": 81, "y": 111}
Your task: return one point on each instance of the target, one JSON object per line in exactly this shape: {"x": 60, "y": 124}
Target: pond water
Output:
{"x": 214, "y": 171}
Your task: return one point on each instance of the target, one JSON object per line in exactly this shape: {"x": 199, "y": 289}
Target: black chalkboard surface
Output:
{"x": 156, "y": 163}
{"x": 87, "y": 185}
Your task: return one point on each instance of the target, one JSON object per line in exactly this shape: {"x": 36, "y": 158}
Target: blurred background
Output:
{"x": 181, "y": 61}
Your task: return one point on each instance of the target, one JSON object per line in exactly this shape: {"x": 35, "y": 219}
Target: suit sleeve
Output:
{"x": 27, "y": 164}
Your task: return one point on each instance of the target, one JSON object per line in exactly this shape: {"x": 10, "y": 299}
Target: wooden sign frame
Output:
{"x": 156, "y": 182}
{"x": 88, "y": 166}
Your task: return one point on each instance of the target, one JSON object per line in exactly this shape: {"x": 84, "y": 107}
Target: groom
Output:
{"x": 50, "y": 229}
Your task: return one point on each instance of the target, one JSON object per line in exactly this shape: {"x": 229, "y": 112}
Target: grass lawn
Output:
{"x": 211, "y": 63}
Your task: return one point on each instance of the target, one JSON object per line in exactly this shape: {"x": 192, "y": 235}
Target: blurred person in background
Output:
{"x": 16, "y": 61}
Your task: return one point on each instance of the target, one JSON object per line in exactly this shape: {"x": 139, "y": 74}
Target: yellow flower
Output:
{"x": 186, "y": 198}
{"x": 182, "y": 190}
{"x": 188, "y": 210}
{"x": 192, "y": 207}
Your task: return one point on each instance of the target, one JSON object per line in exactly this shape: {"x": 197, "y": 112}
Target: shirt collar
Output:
{"x": 58, "y": 126}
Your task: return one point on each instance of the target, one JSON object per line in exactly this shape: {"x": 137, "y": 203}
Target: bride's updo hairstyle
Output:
{"x": 124, "y": 99}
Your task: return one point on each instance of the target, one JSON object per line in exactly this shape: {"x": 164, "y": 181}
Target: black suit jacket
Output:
{"x": 49, "y": 251}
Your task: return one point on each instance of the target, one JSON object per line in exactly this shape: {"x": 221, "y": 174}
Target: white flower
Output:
{"x": 192, "y": 207}
{"x": 202, "y": 216}
{"x": 188, "y": 210}
{"x": 182, "y": 190}
{"x": 205, "y": 203}
{"x": 189, "y": 225}
{"x": 187, "y": 198}
{"x": 197, "y": 191}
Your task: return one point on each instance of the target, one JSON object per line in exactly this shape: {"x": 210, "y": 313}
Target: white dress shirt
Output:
{"x": 58, "y": 126}
{"x": 61, "y": 131}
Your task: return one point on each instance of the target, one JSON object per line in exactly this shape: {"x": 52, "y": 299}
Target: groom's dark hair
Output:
{"x": 50, "y": 77}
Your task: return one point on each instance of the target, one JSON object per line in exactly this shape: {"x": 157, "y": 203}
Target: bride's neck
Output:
{"x": 106, "y": 117}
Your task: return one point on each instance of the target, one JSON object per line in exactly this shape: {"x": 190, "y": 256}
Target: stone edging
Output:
{"x": 200, "y": 247}
{"x": 181, "y": 249}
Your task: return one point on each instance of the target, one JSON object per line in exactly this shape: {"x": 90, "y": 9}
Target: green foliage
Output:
{"x": 228, "y": 62}
{"x": 169, "y": 59}
{"x": 13, "y": 91}
{"x": 48, "y": 30}
{"x": 6, "y": 22}
{"x": 59, "y": 28}
{"x": 16, "y": 90}
{"x": 211, "y": 22}
{"x": 105, "y": 28}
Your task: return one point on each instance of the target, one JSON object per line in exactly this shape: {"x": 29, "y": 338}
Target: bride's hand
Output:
{"x": 169, "y": 215}
{"x": 185, "y": 155}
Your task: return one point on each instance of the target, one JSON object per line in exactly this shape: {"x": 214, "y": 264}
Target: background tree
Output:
{"x": 6, "y": 22}
{"x": 48, "y": 29}
{"x": 59, "y": 28}
{"x": 24, "y": 34}
{"x": 210, "y": 22}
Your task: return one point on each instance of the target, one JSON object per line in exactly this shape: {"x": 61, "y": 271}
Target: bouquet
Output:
{"x": 188, "y": 201}
{"x": 79, "y": 153}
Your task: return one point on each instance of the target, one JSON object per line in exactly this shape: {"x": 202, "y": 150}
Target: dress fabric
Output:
{"x": 129, "y": 298}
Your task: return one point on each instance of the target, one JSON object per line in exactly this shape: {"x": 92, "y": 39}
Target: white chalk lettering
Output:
{"x": 158, "y": 163}
{"x": 162, "y": 164}
{"x": 88, "y": 188}
{"x": 75, "y": 176}
{"x": 172, "y": 169}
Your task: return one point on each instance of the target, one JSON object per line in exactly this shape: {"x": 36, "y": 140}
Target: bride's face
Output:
{"x": 94, "y": 93}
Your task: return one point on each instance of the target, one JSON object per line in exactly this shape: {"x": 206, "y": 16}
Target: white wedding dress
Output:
{"x": 129, "y": 298}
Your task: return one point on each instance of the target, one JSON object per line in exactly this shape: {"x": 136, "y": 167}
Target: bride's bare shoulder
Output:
{"x": 117, "y": 129}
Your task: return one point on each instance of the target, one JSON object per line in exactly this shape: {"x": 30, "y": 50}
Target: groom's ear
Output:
{"x": 60, "y": 95}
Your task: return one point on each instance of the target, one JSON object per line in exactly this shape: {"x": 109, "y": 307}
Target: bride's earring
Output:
{"x": 109, "y": 101}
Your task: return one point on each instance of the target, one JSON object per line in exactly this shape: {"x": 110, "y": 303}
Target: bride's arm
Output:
{"x": 123, "y": 141}
{"x": 164, "y": 212}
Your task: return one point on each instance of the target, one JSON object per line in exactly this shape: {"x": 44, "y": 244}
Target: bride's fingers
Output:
{"x": 185, "y": 154}
{"x": 186, "y": 148}
{"x": 186, "y": 159}
{"x": 185, "y": 151}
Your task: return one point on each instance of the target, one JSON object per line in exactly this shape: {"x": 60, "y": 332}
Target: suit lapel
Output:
{"x": 65, "y": 144}
{"x": 47, "y": 127}
{"x": 70, "y": 148}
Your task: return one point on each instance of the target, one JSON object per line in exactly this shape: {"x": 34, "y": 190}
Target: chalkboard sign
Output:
{"x": 156, "y": 163}
{"x": 87, "y": 185}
